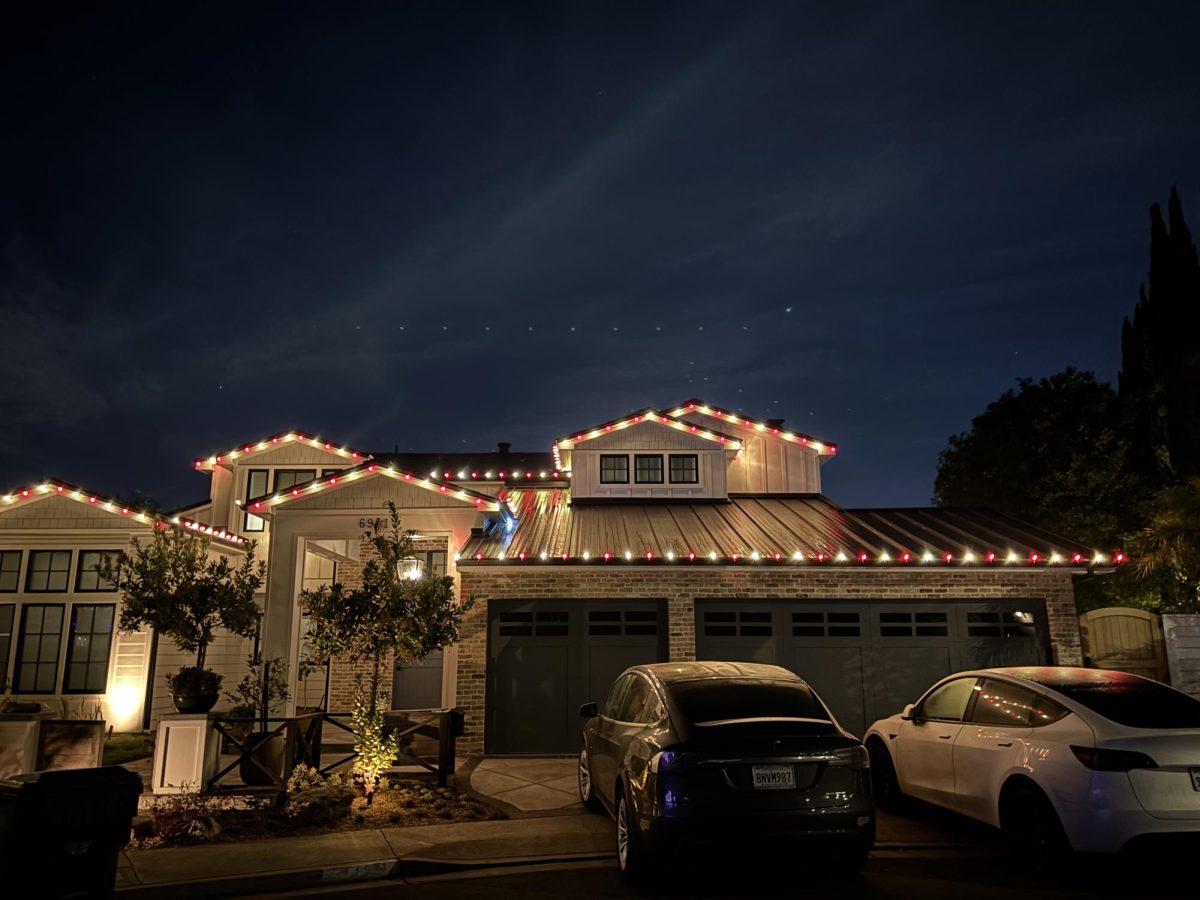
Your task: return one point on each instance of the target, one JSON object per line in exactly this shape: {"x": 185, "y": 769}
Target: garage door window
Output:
{"x": 613, "y": 622}
{"x": 528, "y": 624}
{"x": 949, "y": 702}
{"x": 826, "y": 624}
{"x": 913, "y": 624}
{"x": 737, "y": 624}
{"x": 1001, "y": 624}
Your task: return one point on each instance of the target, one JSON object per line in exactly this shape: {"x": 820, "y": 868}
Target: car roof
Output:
{"x": 670, "y": 673}
{"x": 1064, "y": 676}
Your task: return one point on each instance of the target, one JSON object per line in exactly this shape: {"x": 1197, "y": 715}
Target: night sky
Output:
{"x": 439, "y": 226}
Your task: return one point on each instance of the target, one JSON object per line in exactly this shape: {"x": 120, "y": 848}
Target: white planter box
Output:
{"x": 185, "y": 754}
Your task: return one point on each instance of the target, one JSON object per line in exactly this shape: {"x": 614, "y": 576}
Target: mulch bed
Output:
{"x": 187, "y": 820}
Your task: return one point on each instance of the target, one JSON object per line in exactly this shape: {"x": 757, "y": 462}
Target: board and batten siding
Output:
{"x": 766, "y": 464}
{"x": 647, "y": 438}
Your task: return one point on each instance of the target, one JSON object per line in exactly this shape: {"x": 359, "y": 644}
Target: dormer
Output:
{"x": 647, "y": 455}
{"x": 774, "y": 459}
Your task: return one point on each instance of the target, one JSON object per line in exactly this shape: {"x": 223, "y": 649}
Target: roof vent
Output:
{"x": 504, "y": 447}
{"x": 774, "y": 423}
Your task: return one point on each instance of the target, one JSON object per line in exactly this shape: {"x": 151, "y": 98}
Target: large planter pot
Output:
{"x": 267, "y": 749}
{"x": 192, "y": 702}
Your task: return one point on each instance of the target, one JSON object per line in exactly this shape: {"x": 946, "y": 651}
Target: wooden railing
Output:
{"x": 427, "y": 740}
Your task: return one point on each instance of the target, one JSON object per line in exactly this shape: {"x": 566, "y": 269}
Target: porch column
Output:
{"x": 281, "y": 618}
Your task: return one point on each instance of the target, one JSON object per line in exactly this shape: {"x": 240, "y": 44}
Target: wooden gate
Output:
{"x": 1124, "y": 639}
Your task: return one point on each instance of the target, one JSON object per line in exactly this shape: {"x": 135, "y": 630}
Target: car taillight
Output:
{"x": 667, "y": 762}
{"x": 1100, "y": 760}
{"x": 855, "y": 757}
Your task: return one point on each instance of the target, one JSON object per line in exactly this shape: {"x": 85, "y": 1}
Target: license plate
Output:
{"x": 1195, "y": 773}
{"x": 776, "y": 778}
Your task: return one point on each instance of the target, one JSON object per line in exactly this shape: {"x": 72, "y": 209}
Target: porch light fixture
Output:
{"x": 410, "y": 568}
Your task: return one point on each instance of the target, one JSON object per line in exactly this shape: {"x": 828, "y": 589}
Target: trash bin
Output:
{"x": 61, "y": 831}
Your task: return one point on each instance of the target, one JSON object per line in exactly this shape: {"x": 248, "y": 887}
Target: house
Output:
{"x": 667, "y": 534}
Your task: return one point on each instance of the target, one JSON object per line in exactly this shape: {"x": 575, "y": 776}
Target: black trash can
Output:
{"x": 62, "y": 831}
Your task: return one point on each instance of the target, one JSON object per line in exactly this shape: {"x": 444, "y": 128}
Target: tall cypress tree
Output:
{"x": 1160, "y": 355}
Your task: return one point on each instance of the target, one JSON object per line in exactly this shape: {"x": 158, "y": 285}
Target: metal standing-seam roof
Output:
{"x": 769, "y": 527}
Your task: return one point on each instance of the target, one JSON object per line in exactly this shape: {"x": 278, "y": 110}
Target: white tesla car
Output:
{"x": 1057, "y": 758}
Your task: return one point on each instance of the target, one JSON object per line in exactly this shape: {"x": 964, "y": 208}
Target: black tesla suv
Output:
{"x": 727, "y": 754}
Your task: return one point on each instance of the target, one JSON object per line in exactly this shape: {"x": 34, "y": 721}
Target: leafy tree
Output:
{"x": 1171, "y": 548}
{"x": 389, "y": 615}
{"x": 1160, "y": 354}
{"x": 176, "y": 586}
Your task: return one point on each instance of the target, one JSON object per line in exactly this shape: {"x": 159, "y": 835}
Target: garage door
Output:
{"x": 548, "y": 657}
{"x": 867, "y": 660}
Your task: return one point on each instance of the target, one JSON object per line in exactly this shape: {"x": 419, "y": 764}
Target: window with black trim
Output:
{"x": 49, "y": 571}
{"x": 648, "y": 468}
{"x": 7, "y": 611}
{"x": 289, "y": 478}
{"x": 435, "y": 563}
{"x": 88, "y": 648}
{"x": 685, "y": 468}
{"x": 614, "y": 469}
{"x": 256, "y": 486}
{"x": 37, "y": 653}
{"x": 10, "y": 570}
{"x": 87, "y": 579}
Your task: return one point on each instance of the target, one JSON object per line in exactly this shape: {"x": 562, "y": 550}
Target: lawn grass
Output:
{"x": 123, "y": 748}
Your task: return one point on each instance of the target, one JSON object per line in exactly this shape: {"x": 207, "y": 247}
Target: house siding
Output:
{"x": 681, "y": 588}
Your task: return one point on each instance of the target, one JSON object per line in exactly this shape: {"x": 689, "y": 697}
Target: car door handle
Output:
{"x": 945, "y": 737}
{"x": 1004, "y": 744}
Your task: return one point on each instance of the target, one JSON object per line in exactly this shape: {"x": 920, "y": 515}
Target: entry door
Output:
{"x": 418, "y": 685}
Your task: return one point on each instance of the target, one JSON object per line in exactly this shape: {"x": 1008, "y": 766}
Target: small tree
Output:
{"x": 390, "y": 615}
{"x": 174, "y": 585}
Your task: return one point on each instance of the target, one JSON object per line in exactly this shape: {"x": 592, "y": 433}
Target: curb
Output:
{"x": 378, "y": 870}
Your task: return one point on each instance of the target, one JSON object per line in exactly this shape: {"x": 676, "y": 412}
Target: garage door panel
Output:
{"x": 838, "y": 676}
{"x": 531, "y": 697}
{"x": 902, "y": 674}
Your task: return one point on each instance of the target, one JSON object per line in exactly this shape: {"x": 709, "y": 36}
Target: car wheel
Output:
{"x": 884, "y": 783}
{"x": 587, "y": 789}
{"x": 1032, "y": 827}
{"x": 630, "y": 852}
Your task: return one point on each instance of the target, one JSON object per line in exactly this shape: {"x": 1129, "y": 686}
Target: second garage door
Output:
{"x": 547, "y": 657}
{"x": 867, "y": 660}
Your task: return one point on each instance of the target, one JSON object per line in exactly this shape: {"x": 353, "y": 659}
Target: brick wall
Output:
{"x": 681, "y": 588}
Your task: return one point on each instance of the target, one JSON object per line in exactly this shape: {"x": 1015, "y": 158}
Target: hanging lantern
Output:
{"x": 410, "y": 568}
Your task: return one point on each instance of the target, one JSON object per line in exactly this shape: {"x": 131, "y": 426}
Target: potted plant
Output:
{"x": 261, "y": 688}
{"x": 176, "y": 585}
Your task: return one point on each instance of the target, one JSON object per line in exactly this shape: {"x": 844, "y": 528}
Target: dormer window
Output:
{"x": 614, "y": 469}
{"x": 685, "y": 468}
{"x": 648, "y": 469}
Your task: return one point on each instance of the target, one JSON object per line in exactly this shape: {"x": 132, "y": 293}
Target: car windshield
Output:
{"x": 1136, "y": 703}
{"x": 730, "y": 699}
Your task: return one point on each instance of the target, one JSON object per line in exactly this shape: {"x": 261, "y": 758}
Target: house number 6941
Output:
{"x": 370, "y": 523}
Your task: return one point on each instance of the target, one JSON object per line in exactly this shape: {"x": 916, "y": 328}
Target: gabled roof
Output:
{"x": 274, "y": 442}
{"x": 265, "y": 504}
{"x": 511, "y": 467}
{"x": 568, "y": 441}
{"x": 824, "y": 448}
{"x": 767, "y": 530}
{"x": 52, "y": 487}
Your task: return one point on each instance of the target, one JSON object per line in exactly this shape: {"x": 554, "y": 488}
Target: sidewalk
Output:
{"x": 290, "y": 863}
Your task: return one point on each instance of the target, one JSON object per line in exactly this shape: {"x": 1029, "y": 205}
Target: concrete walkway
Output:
{"x": 524, "y": 785}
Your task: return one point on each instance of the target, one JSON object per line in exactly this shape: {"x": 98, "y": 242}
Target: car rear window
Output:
{"x": 726, "y": 699}
{"x": 1137, "y": 704}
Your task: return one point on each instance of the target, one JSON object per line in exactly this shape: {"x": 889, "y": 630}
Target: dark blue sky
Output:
{"x": 441, "y": 225}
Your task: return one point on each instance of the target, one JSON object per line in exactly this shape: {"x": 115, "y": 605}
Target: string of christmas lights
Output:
{"x": 273, "y": 442}
{"x": 647, "y": 415}
{"x": 55, "y": 488}
{"x": 824, "y": 448}
{"x": 821, "y": 557}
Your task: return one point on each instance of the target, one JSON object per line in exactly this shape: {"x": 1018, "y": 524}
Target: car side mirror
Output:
{"x": 589, "y": 710}
{"x": 907, "y": 714}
